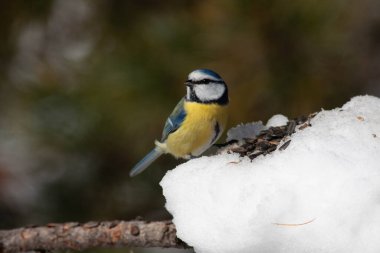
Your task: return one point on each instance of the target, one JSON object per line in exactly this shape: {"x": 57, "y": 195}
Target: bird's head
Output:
{"x": 206, "y": 86}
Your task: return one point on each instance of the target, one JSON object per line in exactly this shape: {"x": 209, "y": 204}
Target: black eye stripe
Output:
{"x": 204, "y": 81}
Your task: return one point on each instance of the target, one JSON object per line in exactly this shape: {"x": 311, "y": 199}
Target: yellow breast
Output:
{"x": 197, "y": 132}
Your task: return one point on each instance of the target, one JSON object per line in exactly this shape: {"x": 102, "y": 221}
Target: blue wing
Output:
{"x": 175, "y": 120}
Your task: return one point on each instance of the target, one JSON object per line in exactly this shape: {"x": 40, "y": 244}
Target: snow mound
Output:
{"x": 321, "y": 194}
{"x": 277, "y": 120}
{"x": 248, "y": 130}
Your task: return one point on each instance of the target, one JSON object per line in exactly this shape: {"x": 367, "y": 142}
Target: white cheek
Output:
{"x": 209, "y": 92}
{"x": 188, "y": 94}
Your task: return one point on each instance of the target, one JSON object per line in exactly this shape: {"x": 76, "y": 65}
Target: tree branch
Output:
{"x": 76, "y": 236}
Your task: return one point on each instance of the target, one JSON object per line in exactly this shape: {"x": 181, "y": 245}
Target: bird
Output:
{"x": 197, "y": 121}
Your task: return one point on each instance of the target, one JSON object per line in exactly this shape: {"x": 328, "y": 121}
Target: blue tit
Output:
{"x": 196, "y": 122}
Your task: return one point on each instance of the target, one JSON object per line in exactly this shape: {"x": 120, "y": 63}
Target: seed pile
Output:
{"x": 269, "y": 139}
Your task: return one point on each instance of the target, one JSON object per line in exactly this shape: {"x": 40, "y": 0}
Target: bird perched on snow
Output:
{"x": 196, "y": 122}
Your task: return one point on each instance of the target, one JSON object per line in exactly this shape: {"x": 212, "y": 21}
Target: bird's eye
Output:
{"x": 206, "y": 81}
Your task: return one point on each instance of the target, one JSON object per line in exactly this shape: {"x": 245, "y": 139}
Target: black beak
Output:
{"x": 188, "y": 83}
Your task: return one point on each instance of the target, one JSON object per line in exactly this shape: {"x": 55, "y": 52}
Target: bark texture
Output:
{"x": 77, "y": 236}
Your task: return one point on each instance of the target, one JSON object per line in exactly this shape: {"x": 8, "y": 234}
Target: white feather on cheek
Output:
{"x": 207, "y": 92}
{"x": 188, "y": 94}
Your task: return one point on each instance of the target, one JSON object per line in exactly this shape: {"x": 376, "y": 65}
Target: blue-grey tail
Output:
{"x": 146, "y": 161}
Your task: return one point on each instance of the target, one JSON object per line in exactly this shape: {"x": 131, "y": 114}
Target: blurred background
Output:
{"x": 85, "y": 88}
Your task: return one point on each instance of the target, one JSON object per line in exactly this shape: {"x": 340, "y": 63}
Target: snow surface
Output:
{"x": 277, "y": 120}
{"x": 321, "y": 194}
{"x": 248, "y": 130}
{"x": 251, "y": 130}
